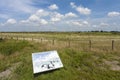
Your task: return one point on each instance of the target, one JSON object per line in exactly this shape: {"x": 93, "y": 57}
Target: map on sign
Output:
{"x": 45, "y": 61}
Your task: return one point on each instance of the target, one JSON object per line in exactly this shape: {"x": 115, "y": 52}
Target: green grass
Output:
{"x": 8, "y": 47}
{"x": 78, "y": 65}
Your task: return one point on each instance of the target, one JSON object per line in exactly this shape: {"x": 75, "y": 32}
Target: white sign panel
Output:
{"x": 45, "y": 61}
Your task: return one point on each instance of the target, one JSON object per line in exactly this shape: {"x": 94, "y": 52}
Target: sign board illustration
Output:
{"x": 45, "y": 61}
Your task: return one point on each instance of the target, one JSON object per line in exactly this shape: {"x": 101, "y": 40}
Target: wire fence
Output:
{"x": 105, "y": 45}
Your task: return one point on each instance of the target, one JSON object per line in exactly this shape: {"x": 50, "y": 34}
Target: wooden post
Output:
{"x": 41, "y": 40}
{"x": 90, "y": 44}
{"x": 69, "y": 43}
{"x": 112, "y": 44}
{"x": 53, "y": 42}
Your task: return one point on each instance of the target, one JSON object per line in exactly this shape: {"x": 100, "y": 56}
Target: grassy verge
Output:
{"x": 78, "y": 65}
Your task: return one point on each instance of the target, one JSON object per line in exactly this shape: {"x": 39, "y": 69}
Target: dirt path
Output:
{"x": 8, "y": 72}
{"x": 113, "y": 65}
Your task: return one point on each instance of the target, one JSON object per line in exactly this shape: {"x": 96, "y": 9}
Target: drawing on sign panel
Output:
{"x": 48, "y": 66}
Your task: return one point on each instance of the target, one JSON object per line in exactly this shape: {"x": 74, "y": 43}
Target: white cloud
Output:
{"x": 33, "y": 18}
{"x": 85, "y": 23}
{"x": 70, "y": 14}
{"x": 83, "y": 10}
{"x": 41, "y": 13}
{"x": 56, "y": 17}
{"x": 113, "y": 14}
{"x": 34, "y": 22}
{"x": 11, "y": 21}
{"x": 73, "y": 4}
{"x": 39, "y": 19}
{"x": 53, "y": 7}
{"x": 24, "y": 21}
{"x": 104, "y": 24}
{"x": 43, "y": 22}
{"x": 36, "y": 18}
{"x": 78, "y": 23}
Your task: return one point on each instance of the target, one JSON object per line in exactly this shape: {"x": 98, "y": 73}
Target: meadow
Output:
{"x": 85, "y": 56}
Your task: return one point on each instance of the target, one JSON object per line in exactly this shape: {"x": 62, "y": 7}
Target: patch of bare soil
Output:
{"x": 114, "y": 65}
{"x": 7, "y": 72}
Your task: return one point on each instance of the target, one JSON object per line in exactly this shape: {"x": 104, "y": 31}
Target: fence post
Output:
{"x": 90, "y": 44}
{"x": 41, "y": 40}
{"x": 69, "y": 43}
{"x": 53, "y": 42}
{"x": 112, "y": 44}
{"x": 11, "y": 37}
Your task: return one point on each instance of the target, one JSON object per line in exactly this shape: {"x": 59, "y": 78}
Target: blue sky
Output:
{"x": 59, "y": 15}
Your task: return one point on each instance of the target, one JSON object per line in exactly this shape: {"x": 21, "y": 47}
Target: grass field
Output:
{"x": 80, "y": 62}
